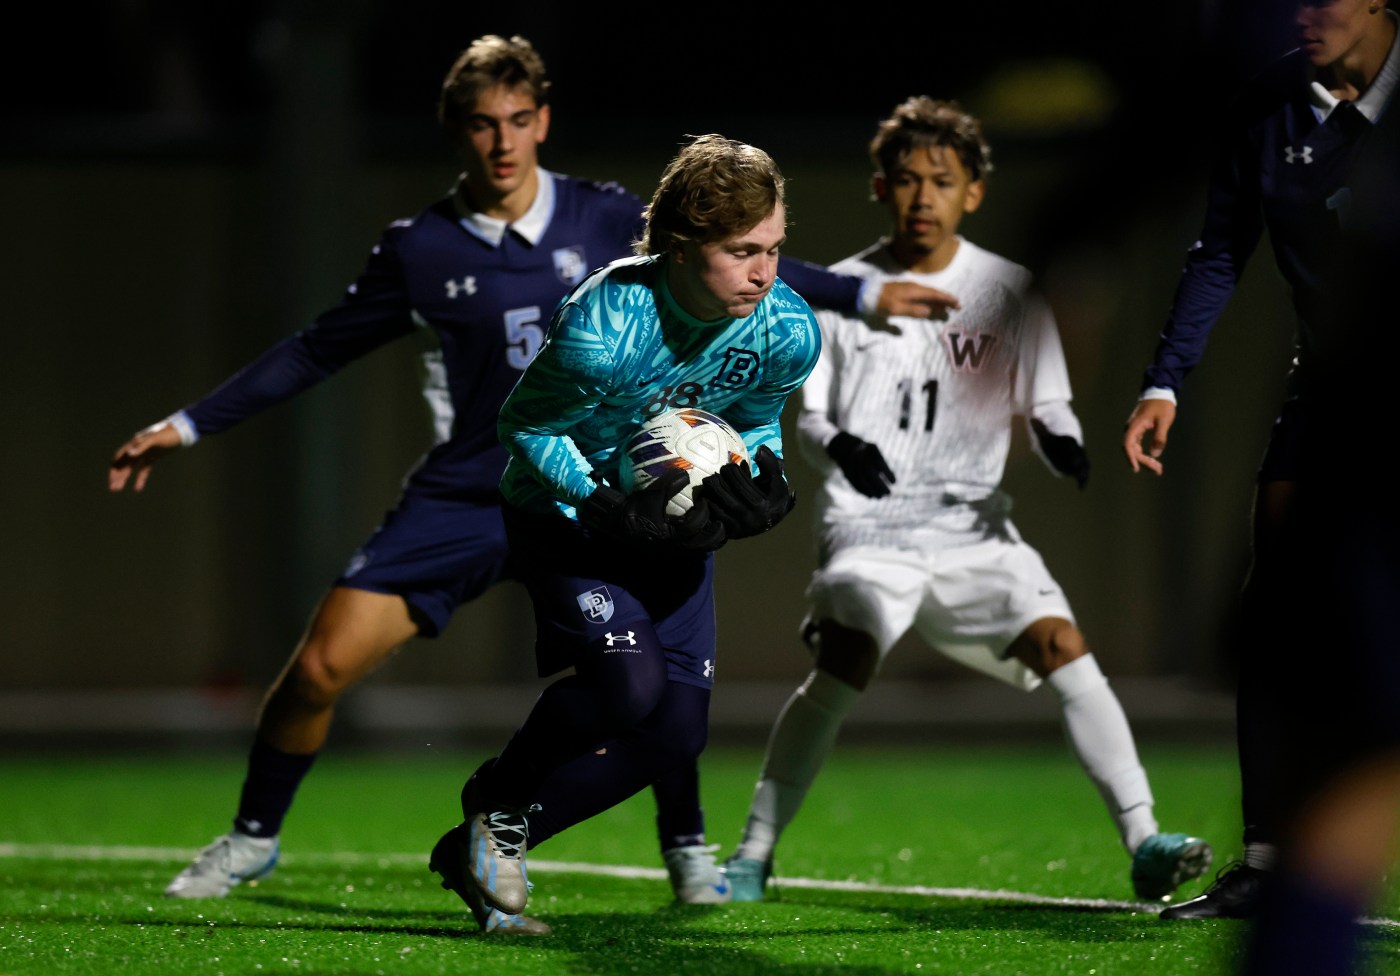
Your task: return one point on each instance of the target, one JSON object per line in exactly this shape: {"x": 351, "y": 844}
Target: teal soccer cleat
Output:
{"x": 1165, "y": 861}
{"x": 747, "y": 878}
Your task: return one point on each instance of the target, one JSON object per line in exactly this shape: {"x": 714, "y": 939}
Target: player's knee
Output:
{"x": 314, "y": 677}
{"x": 847, "y": 654}
{"x": 1050, "y": 644}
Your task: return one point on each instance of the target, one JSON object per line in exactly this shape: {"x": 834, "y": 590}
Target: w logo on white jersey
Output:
{"x": 968, "y": 352}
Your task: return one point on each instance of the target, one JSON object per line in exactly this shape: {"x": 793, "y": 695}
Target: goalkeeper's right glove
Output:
{"x": 641, "y": 516}
{"x": 862, "y": 464}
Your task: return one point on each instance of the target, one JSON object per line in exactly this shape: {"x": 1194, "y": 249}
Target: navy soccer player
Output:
{"x": 623, "y": 592}
{"x": 477, "y": 274}
{"x": 1296, "y": 132}
{"x": 910, "y": 423}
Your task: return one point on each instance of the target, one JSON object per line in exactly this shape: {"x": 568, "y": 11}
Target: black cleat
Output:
{"x": 1235, "y": 894}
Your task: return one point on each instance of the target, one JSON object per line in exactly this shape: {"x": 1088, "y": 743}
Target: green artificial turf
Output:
{"x": 353, "y": 894}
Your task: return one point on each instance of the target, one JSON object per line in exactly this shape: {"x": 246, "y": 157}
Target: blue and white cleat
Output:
{"x": 695, "y": 877}
{"x": 747, "y": 878}
{"x": 450, "y": 861}
{"x": 1164, "y": 862}
{"x": 228, "y": 861}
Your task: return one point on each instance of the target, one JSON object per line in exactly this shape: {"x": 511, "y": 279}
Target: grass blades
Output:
{"x": 1028, "y": 873}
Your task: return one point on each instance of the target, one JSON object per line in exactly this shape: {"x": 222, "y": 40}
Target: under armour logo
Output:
{"x": 614, "y": 638}
{"x": 466, "y": 287}
{"x": 709, "y": 668}
{"x": 1292, "y": 156}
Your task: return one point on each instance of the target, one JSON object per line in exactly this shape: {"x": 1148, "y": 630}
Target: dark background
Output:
{"x": 182, "y": 187}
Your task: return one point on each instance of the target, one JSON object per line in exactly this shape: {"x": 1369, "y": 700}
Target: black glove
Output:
{"x": 641, "y": 516}
{"x": 862, "y": 464}
{"x": 1065, "y": 454}
{"x": 749, "y": 505}
{"x": 699, "y": 528}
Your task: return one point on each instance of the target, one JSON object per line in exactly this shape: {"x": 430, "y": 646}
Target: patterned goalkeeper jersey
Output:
{"x": 620, "y": 350}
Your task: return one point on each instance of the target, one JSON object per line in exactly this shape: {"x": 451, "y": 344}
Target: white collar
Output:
{"x": 1374, "y": 99}
{"x": 531, "y": 225}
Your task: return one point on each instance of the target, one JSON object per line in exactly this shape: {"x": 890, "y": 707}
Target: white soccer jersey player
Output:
{"x": 938, "y": 400}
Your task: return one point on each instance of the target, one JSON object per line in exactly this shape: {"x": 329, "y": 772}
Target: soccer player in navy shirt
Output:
{"x": 478, "y": 273}
{"x": 622, "y": 592}
{"x": 1296, "y": 133}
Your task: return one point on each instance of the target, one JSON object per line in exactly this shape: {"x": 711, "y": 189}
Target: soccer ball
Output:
{"x": 691, "y": 439}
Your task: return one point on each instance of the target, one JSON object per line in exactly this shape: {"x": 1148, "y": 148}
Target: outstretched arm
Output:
{"x": 138, "y": 454}
{"x": 856, "y": 296}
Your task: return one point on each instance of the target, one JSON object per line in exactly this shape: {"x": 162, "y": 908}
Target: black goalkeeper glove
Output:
{"x": 749, "y": 505}
{"x": 862, "y": 464}
{"x": 641, "y": 516}
{"x": 1065, "y": 454}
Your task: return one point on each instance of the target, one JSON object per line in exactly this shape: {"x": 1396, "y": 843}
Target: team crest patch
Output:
{"x": 596, "y": 604}
{"x": 358, "y": 561}
{"x": 739, "y": 369}
{"x": 569, "y": 265}
{"x": 968, "y": 352}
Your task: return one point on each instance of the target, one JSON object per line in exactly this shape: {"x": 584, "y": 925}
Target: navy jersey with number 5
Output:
{"x": 478, "y": 293}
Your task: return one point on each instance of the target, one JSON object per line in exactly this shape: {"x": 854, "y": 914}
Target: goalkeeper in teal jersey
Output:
{"x": 623, "y": 592}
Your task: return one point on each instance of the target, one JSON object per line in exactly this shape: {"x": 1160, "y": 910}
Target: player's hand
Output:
{"x": 911, "y": 298}
{"x": 638, "y": 517}
{"x": 700, "y": 528}
{"x": 862, "y": 464}
{"x": 749, "y": 505}
{"x": 138, "y": 454}
{"x": 1151, "y": 419}
{"x": 1065, "y": 454}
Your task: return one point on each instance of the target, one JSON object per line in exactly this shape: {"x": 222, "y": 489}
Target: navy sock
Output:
{"x": 680, "y": 820}
{"x": 268, "y": 789}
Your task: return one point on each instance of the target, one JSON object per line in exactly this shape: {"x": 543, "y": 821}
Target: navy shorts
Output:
{"x": 588, "y": 589}
{"x": 436, "y": 552}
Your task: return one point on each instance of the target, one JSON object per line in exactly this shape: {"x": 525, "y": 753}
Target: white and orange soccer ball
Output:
{"x": 694, "y": 440}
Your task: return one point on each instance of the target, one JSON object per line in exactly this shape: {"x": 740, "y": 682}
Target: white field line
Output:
{"x": 72, "y": 852}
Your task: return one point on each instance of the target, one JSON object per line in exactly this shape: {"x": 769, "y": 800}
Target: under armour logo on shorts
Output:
{"x": 629, "y": 637}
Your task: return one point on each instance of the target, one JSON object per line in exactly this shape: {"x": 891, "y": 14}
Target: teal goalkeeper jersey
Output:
{"x": 619, "y": 351}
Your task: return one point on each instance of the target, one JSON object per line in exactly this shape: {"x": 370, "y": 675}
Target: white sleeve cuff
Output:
{"x": 184, "y": 426}
{"x": 1158, "y": 393}
{"x": 868, "y": 298}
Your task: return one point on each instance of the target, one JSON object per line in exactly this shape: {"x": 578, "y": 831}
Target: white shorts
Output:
{"x": 968, "y": 602}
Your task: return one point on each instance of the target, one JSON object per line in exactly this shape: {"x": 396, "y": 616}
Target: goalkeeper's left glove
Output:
{"x": 749, "y": 505}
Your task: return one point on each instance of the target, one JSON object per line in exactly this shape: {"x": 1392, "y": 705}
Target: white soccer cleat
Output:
{"x": 695, "y": 877}
{"x": 229, "y": 860}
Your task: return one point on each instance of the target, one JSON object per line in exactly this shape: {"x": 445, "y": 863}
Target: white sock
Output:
{"x": 801, "y": 740}
{"x": 1098, "y": 733}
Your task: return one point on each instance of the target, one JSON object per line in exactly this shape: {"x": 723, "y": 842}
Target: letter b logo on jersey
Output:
{"x": 738, "y": 370}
